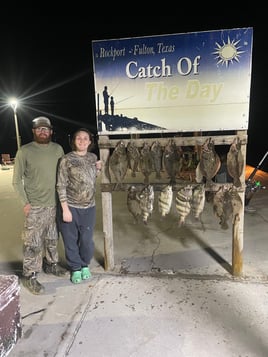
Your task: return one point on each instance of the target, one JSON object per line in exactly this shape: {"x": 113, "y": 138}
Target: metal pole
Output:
{"x": 17, "y": 128}
{"x": 253, "y": 173}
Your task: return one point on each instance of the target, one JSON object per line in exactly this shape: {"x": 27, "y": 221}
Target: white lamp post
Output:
{"x": 13, "y": 102}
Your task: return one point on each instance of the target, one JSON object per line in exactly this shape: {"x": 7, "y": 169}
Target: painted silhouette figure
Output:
{"x": 112, "y": 105}
{"x": 106, "y": 99}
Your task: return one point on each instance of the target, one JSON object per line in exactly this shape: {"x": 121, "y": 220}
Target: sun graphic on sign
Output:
{"x": 228, "y": 52}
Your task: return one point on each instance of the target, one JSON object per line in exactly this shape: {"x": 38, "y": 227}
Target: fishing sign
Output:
{"x": 189, "y": 82}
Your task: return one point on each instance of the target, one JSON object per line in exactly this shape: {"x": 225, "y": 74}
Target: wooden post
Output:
{"x": 107, "y": 211}
{"x": 238, "y": 225}
{"x": 108, "y": 230}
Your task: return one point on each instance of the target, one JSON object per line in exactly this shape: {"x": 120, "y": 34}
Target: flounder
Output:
{"x": 210, "y": 162}
{"x": 235, "y": 162}
{"x": 157, "y": 156}
{"x": 146, "y": 162}
{"x": 133, "y": 155}
{"x": 172, "y": 161}
{"x": 222, "y": 207}
{"x": 118, "y": 162}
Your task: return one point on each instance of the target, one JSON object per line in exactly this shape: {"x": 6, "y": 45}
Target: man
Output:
{"x": 106, "y": 100}
{"x": 34, "y": 180}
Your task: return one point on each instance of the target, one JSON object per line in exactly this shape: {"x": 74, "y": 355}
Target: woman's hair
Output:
{"x": 91, "y": 137}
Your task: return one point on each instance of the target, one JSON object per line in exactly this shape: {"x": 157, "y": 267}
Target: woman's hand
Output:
{"x": 67, "y": 215}
{"x": 98, "y": 166}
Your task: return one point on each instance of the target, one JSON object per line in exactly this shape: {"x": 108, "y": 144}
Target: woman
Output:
{"x": 76, "y": 187}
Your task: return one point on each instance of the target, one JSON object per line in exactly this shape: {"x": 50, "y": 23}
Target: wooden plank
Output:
{"x": 109, "y": 143}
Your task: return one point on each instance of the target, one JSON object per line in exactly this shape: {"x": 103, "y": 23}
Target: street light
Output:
{"x": 13, "y": 102}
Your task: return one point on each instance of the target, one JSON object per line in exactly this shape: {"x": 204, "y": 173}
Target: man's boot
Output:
{"x": 32, "y": 284}
{"x": 53, "y": 268}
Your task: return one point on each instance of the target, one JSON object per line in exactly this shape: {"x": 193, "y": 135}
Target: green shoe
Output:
{"x": 85, "y": 273}
{"x": 76, "y": 277}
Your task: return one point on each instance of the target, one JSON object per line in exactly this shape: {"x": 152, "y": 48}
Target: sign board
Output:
{"x": 189, "y": 82}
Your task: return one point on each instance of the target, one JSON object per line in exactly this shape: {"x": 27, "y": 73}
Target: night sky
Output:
{"x": 47, "y": 63}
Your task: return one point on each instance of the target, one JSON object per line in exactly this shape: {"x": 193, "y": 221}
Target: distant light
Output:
{"x": 13, "y": 102}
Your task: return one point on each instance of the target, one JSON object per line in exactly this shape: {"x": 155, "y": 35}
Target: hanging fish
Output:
{"x": 118, "y": 162}
{"x": 146, "y": 162}
{"x": 146, "y": 201}
{"x": 198, "y": 200}
{"x": 172, "y": 161}
{"x": 165, "y": 200}
{"x": 237, "y": 204}
{"x": 235, "y": 162}
{"x": 222, "y": 207}
{"x": 218, "y": 207}
{"x": 199, "y": 178}
{"x": 189, "y": 159}
{"x": 133, "y": 155}
{"x": 183, "y": 203}
{"x": 157, "y": 155}
{"x": 210, "y": 162}
{"x": 133, "y": 203}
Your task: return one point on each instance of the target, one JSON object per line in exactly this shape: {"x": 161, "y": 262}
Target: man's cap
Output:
{"x": 41, "y": 121}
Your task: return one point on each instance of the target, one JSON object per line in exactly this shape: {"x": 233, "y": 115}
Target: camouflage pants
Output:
{"x": 40, "y": 238}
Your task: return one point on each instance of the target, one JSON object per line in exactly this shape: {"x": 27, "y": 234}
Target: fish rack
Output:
{"x": 107, "y": 143}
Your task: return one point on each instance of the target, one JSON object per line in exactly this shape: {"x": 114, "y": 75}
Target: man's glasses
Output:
{"x": 42, "y": 128}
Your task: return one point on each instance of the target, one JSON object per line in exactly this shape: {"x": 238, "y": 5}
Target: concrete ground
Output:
{"x": 171, "y": 292}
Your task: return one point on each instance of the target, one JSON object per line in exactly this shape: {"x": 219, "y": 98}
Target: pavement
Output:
{"x": 170, "y": 294}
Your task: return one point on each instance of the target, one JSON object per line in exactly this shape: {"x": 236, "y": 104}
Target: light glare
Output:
{"x": 13, "y": 102}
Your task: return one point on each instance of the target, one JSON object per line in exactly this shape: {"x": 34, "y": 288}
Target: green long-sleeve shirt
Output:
{"x": 34, "y": 174}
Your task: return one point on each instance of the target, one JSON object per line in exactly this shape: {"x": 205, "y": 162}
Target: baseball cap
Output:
{"x": 41, "y": 121}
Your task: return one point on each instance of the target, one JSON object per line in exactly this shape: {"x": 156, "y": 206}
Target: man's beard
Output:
{"x": 42, "y": 140}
